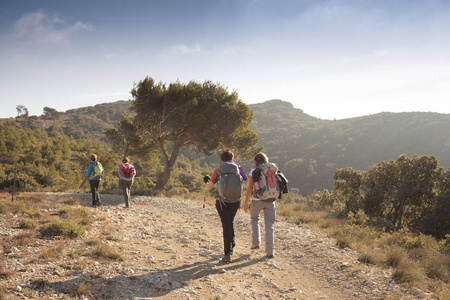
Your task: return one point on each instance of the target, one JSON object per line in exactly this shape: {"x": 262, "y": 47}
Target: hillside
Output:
{"x": 307, "y": 149}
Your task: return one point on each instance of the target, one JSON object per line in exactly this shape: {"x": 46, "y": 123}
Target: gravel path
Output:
{"x": 170, "y": 250}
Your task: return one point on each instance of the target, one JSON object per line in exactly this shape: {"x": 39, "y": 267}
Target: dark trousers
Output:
{"x": 94, "y": 190}
{"x": 227, "y": 211}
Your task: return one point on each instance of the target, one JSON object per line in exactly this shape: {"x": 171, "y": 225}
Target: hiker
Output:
{"x": 96, "y": 172}
{"x": 229, "y": 177}
{"x": 268, "y": 206}
{"x": 126, "y": 173}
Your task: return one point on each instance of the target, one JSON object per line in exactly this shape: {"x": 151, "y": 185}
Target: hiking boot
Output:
{"x": 254, "y": 247}
{"x": 232, "y": 248}
{"x": 226, "y": 259}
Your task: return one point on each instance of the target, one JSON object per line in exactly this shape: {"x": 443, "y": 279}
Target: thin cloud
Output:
{"x": 182, "y": 49}
{"x": 43, "y": 28}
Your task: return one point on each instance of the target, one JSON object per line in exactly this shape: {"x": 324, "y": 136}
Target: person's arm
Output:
{"x": 249, "y": 193}
{"x": 212, "y": 181}
{"x": 241, "y": 171}
{"x": 89, "y": 170}
{"x": 119, "y": 172}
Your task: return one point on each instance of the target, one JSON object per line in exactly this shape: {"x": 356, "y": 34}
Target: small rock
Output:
{"x": 18, "y": 288}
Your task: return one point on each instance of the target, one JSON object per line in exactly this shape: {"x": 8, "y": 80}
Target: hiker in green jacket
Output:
{"x": 96, "y": 172}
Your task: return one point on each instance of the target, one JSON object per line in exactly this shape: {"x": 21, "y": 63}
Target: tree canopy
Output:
{"x": 409, "y": 192}
{"x": 199, "y": 117}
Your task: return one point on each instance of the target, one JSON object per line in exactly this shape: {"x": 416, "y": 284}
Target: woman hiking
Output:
{"x": 257, "y": 205}
{"x": 229, "y": 177}
{"x": 126, "y": 174}
{"x": 96, "y": 172}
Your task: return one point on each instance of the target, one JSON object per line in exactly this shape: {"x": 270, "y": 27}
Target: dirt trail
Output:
{"x": 171, "y": 250}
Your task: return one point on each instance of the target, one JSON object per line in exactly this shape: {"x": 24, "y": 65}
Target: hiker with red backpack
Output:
{"x": 96, "y": 173}
{"x": 126, "y": 174}
{"x": 266, "y": 184}
{"x": 228, "y": 176}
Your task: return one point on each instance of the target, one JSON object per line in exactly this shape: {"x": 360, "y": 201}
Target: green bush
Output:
{"x": 74, "y": 212}
{"x": 28, "y": 224}
{"x": 64, "y": 228}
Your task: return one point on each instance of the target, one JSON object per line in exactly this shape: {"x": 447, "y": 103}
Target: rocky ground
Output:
{"x": 170, "y": 250}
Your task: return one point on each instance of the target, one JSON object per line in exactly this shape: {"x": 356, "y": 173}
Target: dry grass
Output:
{"x": 372, "y": 256}
{"x": 53, "y": 252}
{"x": 395, "y": 256}
{"x": 23, "y": 239}
{"x": 417, "y": 260}
{"x": 106, "y": 252}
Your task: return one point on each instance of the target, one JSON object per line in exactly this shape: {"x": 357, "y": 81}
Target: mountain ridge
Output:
{"x": 308, "y": 149}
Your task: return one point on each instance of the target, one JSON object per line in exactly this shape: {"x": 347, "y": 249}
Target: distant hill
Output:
{"x": 306, "y": 148}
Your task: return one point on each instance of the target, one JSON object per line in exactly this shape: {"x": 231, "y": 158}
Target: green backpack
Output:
{"x": 97, "y": 170}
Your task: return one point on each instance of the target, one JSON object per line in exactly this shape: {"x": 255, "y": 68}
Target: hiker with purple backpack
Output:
{"x": 126, "y": 174}
{"x": 228, "y": 176}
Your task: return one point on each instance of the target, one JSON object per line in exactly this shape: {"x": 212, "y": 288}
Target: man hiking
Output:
{"x": 229, "y": 177}
{"x": 126, "y": 174}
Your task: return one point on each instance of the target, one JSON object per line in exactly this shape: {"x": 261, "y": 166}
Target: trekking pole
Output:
{"x": 203, "y": 213}
{"x": 84, "y": 181}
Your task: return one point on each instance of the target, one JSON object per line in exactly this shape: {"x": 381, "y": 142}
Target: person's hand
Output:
{"x": 206, "y": 179}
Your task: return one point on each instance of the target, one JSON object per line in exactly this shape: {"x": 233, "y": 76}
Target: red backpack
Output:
{"x": 127, "y": 170}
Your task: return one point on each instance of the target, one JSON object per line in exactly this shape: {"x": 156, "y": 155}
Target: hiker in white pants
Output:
{"x": 268, "y": 207}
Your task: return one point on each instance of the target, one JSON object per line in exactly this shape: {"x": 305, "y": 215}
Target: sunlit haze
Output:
{"x": 333, "y": 59}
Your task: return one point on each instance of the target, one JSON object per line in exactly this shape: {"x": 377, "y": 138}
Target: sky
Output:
{"x": 334, "y": 59}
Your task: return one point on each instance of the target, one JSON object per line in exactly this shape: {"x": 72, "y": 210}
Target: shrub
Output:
{"x": 438, "y": 267}
{"x": 366, "y": 258}
{"x": 65, "y": 228}
{"x": 344, "y": 241}
{"x": 395, "y": 256}
{"x": 28, "y": 224}
{"x": 407, "y": 271}
{"x": 358, "y": 218}
{"x": 52, "y": 252}
{"x": 74, "y": 212}
{"x": 105, "y": 251}
{"x": 411, "y": 241}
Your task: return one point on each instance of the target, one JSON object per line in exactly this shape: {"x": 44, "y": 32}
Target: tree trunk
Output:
{"x": 400, "y": 215}
{"x": 14, "y": 183}
{"x": 168, "y": 167}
